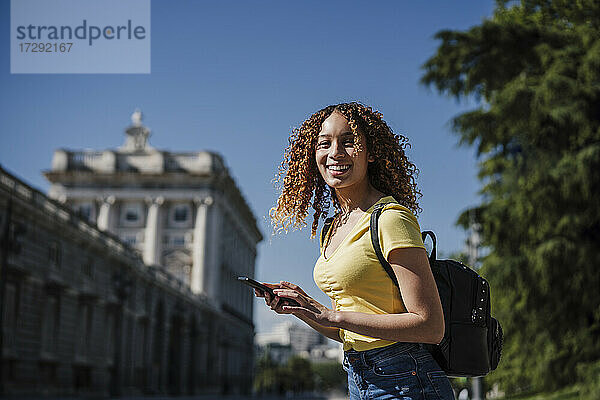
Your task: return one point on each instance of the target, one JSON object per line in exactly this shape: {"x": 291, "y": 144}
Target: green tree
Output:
{"x": 330, "y": 375}
{"x": 301, "y": 377}
{"x": 267, "y": 377}
{"x": 295, "y": 376}
{"x": 534, "y": 66}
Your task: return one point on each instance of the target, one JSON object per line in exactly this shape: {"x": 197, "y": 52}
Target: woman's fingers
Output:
{"x": 305, "y": 302}
{"x": 267, "y": 298}
{"x": 274, "y": 303}
{"x": 289, "y": 285}
{"x": 271, "y": 285}
{"x": 283, "y": 291}
{"x": 293, "y": 287}
{"x": 280, "y": 306}
{"x": 290, "y": 294}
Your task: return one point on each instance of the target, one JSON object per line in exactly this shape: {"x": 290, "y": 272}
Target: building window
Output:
{"x": 84, "y": 329}
{"x": 54, "y": 254}
{"x": 140, "y": 343}
{"x": 131, "y": 240}
{"x": 141, "y": 354}
{"x": 87, "y": 268}
{"x": 131, "y": 214}
{"x": 82, "y": 377}
{"x": 50, "y": 324}
{"x": 178, "y": 240}
{"x": 47, "y": 373}
{"x": 110, "y": 335}
{"x": 180, "y": 215}
{"x": 9, "y": 323}
{"x": 85, "y": 210}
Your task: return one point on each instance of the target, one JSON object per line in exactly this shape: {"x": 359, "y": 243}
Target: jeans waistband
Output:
{"x": 380, "y": 353}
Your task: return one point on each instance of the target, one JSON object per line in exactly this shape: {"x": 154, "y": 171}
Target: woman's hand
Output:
{"x": 308, "y": 306}
{"x": 276, "y": 303}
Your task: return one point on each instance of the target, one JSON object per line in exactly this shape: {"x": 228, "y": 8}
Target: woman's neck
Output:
{"x": 354, "y": 198}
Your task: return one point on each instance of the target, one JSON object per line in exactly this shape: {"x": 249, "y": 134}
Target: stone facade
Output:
{"x": 87, "y": 310}
{"x": 181, "y": 211}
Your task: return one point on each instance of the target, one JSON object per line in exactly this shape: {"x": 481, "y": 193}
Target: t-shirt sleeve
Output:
{"x": 398, "y": 228}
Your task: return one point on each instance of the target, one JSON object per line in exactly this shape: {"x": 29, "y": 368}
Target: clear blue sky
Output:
{"x": 235, "y": 77}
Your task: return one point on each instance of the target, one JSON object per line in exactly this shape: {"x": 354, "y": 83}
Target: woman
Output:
{"x": 346, "y": 154}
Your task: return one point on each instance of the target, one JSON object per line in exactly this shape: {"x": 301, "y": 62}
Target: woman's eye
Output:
{"x": 326, "y": 143}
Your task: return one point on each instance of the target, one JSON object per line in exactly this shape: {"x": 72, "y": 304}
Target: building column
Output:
{"x": 104, "y": 220}
{"x": 197, "y": 281}
{"x": 151, "y": 233}
{"x": 213, "y": 244}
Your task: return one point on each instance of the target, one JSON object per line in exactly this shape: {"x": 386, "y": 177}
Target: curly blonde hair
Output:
{"x": 391, "y": 172}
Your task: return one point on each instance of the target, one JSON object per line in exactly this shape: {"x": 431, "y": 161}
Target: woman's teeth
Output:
{"x": 339, "y": 167}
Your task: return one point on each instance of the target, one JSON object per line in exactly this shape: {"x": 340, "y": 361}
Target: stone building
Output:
{"x": 290, "y": 338}
{"x": 179, "y": 210}
{"x": 300, "y": 337}
{"x": 122, "y": 282}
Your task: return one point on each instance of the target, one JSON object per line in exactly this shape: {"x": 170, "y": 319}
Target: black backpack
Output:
{"x": 472, "y": 341}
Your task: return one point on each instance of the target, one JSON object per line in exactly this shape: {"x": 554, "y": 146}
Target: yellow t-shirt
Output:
{"x": 353, "y": 277}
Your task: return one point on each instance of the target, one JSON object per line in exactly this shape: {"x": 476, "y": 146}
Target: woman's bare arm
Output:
{"x": 422, "y": 323}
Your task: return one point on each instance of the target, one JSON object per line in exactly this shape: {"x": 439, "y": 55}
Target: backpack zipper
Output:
{"x": 477, "y": 312}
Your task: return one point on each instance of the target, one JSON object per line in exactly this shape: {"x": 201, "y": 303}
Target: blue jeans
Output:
{"x": 398, "y": 371}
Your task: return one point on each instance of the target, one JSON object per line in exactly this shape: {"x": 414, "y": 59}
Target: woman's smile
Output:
{"x": 338, "y": 170}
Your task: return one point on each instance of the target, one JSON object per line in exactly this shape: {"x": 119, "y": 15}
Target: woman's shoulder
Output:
{"x": 390, "y": 203}
{"x": 394, "y": 212}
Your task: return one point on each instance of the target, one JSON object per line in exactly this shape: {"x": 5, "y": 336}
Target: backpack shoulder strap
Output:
{"x": 325, "y": 229}
{"x": 374, "y": 227}
{"x": 433, "y": 255}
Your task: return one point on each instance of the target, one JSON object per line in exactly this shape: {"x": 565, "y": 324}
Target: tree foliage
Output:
{"x": 330, "y": 376}
{"x": 298, "y": 375}
{"x": 534, "y": 66}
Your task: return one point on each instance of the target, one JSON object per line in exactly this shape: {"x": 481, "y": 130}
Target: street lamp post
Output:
{"x": 473, "y": 243}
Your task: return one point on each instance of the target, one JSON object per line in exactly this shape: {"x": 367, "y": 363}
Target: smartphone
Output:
{"x": 263, "y": 288}
{"x": 256, "y": 285}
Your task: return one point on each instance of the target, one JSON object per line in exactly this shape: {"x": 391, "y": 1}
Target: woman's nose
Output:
{"x": 337, "y": 150}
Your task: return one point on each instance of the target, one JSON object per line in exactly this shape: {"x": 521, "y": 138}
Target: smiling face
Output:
{"x": 340, "y": 164}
